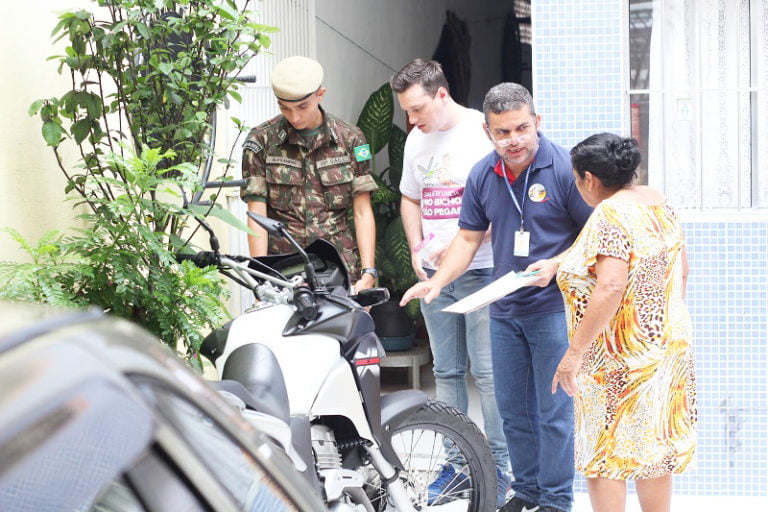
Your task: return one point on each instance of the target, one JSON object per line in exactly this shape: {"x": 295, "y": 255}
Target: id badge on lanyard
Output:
{"x": 522, "y": 243}
{"x": 522, "y": 237}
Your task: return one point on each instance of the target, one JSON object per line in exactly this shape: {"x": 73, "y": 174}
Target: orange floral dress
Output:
{"x": 635, "y": 412}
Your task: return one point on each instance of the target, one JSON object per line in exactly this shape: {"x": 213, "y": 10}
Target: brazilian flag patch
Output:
{"x": 363, "y": 153}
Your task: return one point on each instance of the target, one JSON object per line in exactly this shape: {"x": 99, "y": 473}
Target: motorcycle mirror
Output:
{"x": 277, "y": 229}
{"x": 371, "y": 297}
{"x": 273, "y": 227}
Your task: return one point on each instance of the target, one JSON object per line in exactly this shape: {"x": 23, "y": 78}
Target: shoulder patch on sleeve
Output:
{"x": 363, "y": 153}
{"x": 252, "y": 145}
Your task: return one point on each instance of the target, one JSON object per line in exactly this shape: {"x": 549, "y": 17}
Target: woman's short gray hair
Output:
{"x": 507, "y": 96}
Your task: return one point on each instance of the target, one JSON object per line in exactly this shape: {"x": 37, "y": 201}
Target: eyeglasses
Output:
{"x": 520, "y": 139}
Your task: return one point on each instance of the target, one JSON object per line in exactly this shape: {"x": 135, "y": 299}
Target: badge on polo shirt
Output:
{"x": 537, "y": 193}
{"x": 363, "y": 153}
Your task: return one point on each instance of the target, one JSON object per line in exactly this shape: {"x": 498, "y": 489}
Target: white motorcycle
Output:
{"x": 304, "y": 365}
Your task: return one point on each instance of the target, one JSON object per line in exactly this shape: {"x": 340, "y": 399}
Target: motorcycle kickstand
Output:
{"x": 395, "y": 487}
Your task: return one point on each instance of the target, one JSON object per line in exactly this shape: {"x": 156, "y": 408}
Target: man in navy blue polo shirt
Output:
{"x": 526, "y": 190}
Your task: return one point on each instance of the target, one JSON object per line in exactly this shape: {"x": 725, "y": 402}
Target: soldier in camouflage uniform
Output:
{"x": 308, "y": 169}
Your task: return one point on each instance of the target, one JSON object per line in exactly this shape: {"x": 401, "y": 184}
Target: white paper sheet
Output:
{"x": 501, "y": 287}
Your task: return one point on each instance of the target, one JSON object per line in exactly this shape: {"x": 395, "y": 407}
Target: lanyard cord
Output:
{"x": 525, "y": 188}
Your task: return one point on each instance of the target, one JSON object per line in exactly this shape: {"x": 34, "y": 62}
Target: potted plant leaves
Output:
{"x": 394, "y": 325}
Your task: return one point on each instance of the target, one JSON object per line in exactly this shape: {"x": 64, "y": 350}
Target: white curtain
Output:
{"x": 707, "y": 113}
{"x": 760, "y": 50}
{"x": 672, "y": 143}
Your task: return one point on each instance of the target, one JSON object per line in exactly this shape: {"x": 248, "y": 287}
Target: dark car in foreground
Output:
{"x": 97, "y": 415}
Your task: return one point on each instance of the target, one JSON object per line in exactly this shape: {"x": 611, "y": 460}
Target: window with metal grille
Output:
{"x": 698, "y": 80}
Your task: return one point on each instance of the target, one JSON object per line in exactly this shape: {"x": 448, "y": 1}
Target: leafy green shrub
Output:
{"x": 120, "y": 262}
{"x": 144, "y": 74}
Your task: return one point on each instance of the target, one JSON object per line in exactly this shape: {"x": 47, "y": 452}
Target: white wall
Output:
{"x": 32, "y": 190}
{"x": 362, "y": 43}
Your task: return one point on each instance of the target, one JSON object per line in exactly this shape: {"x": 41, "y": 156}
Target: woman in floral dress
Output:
{"x": 629, "y": 366}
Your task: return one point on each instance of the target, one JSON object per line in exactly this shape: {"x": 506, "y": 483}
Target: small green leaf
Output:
{"x": 81, "y": 129}
{"x": 165, "y": 67}
{"x": 48, "y": 249}
{"x": 35, "y": 107}
{"x": 236, "y": 96}
{"x": 62, "y": 21}
{"x": 52, "y": 133}
{"x": 49, "y": 111}
{"x": 83, "y": 27}
{"x": 92, "y": 104}
{"x": 227, "y": 12}
{"x": 142, "y": 30}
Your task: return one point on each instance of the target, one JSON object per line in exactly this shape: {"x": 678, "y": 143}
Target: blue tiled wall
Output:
{"x": 728, "y": 300}
{"x": 578, "y": 80}
{"x": 578, "y": 53}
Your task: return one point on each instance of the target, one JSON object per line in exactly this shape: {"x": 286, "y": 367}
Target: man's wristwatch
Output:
{"x": 370, "y": 270}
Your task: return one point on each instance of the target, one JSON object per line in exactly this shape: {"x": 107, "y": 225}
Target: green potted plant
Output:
{"x": 394, "y": 325}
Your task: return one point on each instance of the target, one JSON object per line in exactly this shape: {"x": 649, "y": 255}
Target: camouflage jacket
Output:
{"x": 308, "y": 186}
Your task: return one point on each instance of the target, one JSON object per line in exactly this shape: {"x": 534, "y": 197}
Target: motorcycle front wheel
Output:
{"x": 447, "y": 464}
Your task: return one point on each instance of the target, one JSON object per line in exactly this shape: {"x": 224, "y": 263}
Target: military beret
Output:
{"x": 296, "y": 78}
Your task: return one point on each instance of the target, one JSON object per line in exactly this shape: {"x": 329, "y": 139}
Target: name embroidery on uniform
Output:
{"x": 283, "y": 160}
{"x": 333, "y": 161}
{"x": 253, "y": 146}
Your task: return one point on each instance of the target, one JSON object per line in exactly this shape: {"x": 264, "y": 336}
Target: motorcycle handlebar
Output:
{"x": 304, "y": 300}
{"x": 303, "y": 296}
{"x": 201, "y": 259}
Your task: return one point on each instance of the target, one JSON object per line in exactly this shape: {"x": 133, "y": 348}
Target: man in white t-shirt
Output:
{"x": 446, "y": 141}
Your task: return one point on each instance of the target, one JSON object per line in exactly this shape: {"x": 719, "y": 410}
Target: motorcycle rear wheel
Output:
{"x": 432, "y": 437}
